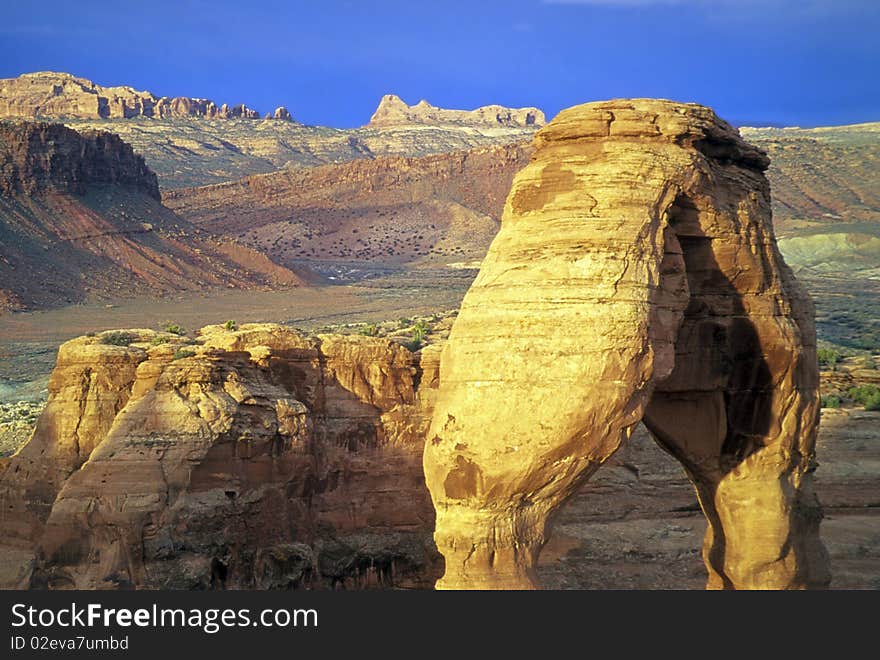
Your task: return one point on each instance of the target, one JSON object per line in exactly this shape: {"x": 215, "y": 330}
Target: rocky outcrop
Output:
{"x": 281, "y": 113}
{"x": 635, "y": 277}
{"x": 434, "y": 209}
{"x": 47, "y": 94}
{"x": 393, "y": 111}
{"x": 255, "y": 457}
{"x": 35, "y": 156}
{"x": 80, "y": 219}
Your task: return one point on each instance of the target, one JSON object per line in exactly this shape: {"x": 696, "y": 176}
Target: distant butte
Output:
{"x": 47, "y": 94}
{"x": 393, "y": 110}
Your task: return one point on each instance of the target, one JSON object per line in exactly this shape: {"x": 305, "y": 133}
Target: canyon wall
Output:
{"x": 81, "y": 219}
{"x": 635, "y": 277}
{"x": 35, "y": 156}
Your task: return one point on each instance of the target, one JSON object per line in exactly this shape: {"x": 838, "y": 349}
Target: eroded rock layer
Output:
{"x": 635, "y": 276}
{"x": 35, "y": 156}
{"x": 62, "y": 95}
{"x": 248, "y": 458}
{"x": 81, "y": 219}
{"x": 393, "y": 110}
{"x": 390, "y": 209}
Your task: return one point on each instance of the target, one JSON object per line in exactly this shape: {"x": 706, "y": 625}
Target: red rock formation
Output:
{"x": 261, "y": 458}
{"x": 39, "y": 156}
{"x": 635, "y": 276}
{"x": 392, "y": 111}
{"x": 394, "y": 209}
{"x": 48, "y": 94}
{"x": 281, "y": 113}
{"x": 80, "y": 218}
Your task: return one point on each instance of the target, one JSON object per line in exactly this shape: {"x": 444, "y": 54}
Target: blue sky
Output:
{"x": 795, "y": 62}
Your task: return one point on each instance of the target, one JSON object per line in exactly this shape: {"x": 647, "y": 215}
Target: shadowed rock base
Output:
{"x": 635, "y": 277}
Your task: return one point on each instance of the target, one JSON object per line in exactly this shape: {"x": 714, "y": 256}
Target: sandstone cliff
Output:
{"x": 387, "y": 210}
{"x": 254, "y": 457}
{"x": 635, "y": 276}
{"x": 80, "y": 218}
{"x": 192, "y": 153}
{"x": 47, "y": 94}
{"x": 35, "y": 157}
{"x": 393, "y": 111}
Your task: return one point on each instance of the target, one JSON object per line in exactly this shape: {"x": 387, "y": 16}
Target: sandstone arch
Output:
{"x": 635, "y": 277}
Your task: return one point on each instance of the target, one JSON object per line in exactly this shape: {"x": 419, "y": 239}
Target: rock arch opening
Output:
{"x": 594, "y": 312}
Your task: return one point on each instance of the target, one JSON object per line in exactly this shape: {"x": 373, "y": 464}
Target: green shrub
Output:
{"x": 369, "y": 330}
{"x": 828, "y": 358}
{"x": 117, "y": 338}
{"x": 181, "y": 353}
{"x": 231, "y": 325}
{"x": 160, "y": 339}
{"x": 863, "y": 393}
{"x": 420, "y": 331}
{"x": 867, "y": 395}
{"x": 174, "y": 328}
{"x": 413, "y": 344}
{"x": 830, "y": 401}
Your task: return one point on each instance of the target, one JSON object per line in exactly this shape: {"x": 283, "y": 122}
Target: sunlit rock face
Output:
{"x": 635, "y": 277}
{"x": 255, "y": 457}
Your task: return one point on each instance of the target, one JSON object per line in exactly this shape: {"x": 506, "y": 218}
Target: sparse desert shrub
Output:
{"x": 867, "y": 395}
{"x": 174, "y": 328}
{"x": 117, "y": 338}
{"x": 420, "y": 331}
{"x": 181, "y": 353}
{"x": 861, "y": 393}
{"x": 830, "y": 401}
{"x": 231, "y": 325}
{"x": 369, "y": 330}
{"x": 160, "y": 339}
{"x": 828, "y": 358}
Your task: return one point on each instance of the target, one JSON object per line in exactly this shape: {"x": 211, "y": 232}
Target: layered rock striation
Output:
{"x": 61, "y": 95}
{"x": 36, "y": 156}
{"x": 247, "y": 458}
{"x": 388, "y": 209}
{"x": 81, "y": 218}
{"x": 635, "y": 277}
